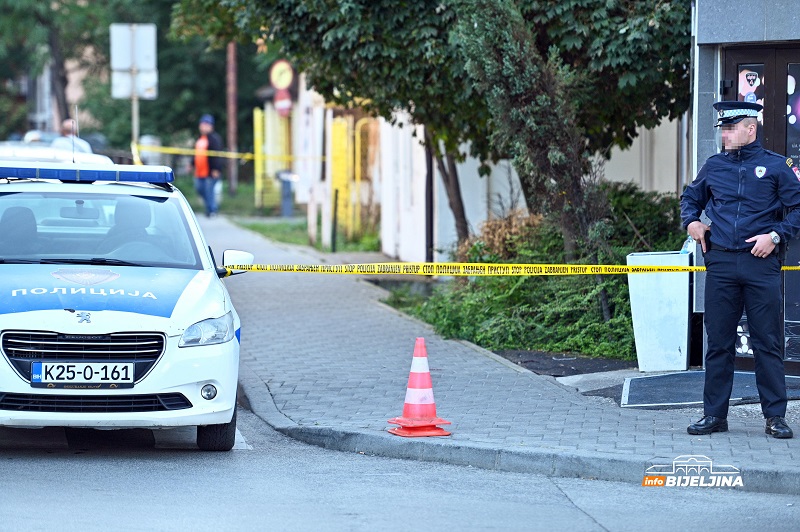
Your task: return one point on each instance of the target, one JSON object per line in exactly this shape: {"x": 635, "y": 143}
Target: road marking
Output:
{"x": 241, "y": 443}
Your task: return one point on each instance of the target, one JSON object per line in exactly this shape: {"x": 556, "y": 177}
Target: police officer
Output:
{"x": 744, "y": 191}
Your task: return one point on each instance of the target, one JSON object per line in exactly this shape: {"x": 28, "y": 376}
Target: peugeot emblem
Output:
{"x": 84, "y": 317}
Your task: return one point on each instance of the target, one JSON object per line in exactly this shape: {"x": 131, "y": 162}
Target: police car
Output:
{"x": 112, "y": 310}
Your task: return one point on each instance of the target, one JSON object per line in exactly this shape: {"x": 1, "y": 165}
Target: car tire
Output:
{"x": 217, "y": 437}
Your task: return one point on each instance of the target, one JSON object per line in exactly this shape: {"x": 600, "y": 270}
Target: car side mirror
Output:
{"x": 234, "y": 257}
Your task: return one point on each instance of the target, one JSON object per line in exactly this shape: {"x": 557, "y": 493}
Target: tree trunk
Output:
{"x": 569, "y": 233}
{"x": 58, "y": 75}
{"x": 457, "y": 201}
{"x": 449, "y": 174}
{"x": 603, "y": 296}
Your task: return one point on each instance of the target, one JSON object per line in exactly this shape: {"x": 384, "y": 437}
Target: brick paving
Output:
{"x": 334, "y": 356}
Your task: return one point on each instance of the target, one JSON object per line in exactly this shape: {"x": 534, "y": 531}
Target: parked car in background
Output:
{"x": 37, "y": 136}
{"x": 22, "y": 151}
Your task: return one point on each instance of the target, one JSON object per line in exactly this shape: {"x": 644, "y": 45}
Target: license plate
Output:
{"x": 82, "y": 375}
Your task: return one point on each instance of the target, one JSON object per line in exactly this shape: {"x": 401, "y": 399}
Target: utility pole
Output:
{"x": 232, "y": 94}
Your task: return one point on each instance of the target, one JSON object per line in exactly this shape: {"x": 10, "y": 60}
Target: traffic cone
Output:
{"x": 419, "y": 411}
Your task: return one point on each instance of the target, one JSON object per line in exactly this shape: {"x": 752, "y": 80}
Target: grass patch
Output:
{"x": 287, "y": 232}
{"x": 242, "y": 204}
{"x": 290, "y": 232}
{"x": 296, "y": 232}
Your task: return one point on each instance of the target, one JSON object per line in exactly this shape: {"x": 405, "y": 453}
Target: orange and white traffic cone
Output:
{"x": 419, "y": 411}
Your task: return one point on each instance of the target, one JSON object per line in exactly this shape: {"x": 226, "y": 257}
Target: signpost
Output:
{"x": 281, "y": 75}
{"x": 134, "y": 72}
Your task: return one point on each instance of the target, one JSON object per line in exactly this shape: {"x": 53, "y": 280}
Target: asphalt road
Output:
{"x": 144, "y": 480}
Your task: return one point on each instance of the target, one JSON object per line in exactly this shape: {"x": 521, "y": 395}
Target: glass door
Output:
{"x": 771, "y": 76}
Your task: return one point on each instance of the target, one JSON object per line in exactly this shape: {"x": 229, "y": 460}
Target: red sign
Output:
{"x": 282, "y": 102}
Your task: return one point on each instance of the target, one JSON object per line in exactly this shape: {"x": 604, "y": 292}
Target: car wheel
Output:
{"x": 217, "y": 437}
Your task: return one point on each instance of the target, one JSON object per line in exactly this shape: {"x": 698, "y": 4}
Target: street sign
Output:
{"x": 281, "y": 74}
{"x": 133, "y": 45}
{"x": 133, "y": 57}
{"x": 282, "y": 102}
{"x": 134, "y": 73}
{"x": 146, "y": 85}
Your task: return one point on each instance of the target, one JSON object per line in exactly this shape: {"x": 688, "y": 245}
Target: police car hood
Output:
{"x": 82, "y": 298}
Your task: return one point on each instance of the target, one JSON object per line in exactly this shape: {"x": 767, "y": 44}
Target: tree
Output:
{"x": 383, "y": 55}
{"x": 191, "y": 82}
{"x": 53, "y": 33}
{"x": 534, "y": 112}
{"x": 632, "y": 56}
{"x": 12, "y": 97}
{"x": 191, "y": 77}
{"x": 551, "y": 115}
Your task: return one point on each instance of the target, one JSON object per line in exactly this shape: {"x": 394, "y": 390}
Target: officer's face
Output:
{"x": 734, "y": 136}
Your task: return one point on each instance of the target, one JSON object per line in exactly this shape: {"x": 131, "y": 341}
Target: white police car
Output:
{"x": 112, "y": 311}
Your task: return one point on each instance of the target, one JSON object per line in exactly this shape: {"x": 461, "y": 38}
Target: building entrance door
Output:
{"x": 770, "y": 76}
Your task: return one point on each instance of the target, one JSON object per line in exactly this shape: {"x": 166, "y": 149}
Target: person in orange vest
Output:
{"x": 207, "y": 169}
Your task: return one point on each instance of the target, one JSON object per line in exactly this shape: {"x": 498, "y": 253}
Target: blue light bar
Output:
{"x": 87, "y": 172}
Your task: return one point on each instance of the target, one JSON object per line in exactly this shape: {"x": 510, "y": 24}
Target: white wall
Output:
{"x": 402, "y": 194}
{"x": 484, "y": 198}
{"x": 652, "y": 162}
{"x": 308, "y": 123}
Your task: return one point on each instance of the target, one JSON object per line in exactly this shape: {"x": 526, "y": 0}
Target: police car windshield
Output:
{"x": 95, "y": 228}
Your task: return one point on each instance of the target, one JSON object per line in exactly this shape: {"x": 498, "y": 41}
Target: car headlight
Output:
{"x": 209, "y": 332}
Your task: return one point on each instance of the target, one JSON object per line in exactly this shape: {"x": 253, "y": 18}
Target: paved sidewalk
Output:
{"x": 324, "y": 361}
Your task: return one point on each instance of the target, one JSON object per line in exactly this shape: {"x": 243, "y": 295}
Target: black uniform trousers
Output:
{"x": 737, "y": 280}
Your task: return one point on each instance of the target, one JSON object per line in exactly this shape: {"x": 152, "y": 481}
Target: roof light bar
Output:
{"x": 87, "y": 172}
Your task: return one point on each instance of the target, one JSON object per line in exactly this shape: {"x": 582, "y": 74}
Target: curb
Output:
{"x": 542, "y": 461}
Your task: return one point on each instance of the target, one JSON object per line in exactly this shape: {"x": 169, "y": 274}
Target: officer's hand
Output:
{"x": 697, "y": 230}
{"x": 763, "y": 247}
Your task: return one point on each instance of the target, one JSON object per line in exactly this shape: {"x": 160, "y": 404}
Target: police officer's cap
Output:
{"x": 732, "y": 112}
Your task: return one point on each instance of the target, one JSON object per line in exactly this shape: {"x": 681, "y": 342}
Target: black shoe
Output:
{"x": 777, "y": 428}
{"x": 708, "y": 424}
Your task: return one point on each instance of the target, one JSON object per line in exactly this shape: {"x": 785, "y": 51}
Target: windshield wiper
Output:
{"x": 94, "y": 260}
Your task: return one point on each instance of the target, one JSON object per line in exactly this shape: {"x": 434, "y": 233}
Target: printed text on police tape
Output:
{"x": 464, "y": 269}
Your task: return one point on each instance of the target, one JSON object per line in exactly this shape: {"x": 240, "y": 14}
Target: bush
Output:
{"x": 558, "y": 313}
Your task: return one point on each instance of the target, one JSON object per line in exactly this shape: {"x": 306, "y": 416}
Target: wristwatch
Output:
{"x": 776, "y": 238}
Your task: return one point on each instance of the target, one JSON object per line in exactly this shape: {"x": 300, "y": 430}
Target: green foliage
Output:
{"x": 449, "y": 63}
{"x": 191, "y": 82}
{"x": 634, "y": 54}
{"x": 533, "y": 107}
{"x": 554, "y": 313}
{"x": 290, "y": 232}
{"x": 382, "y": 55}
{"x": 644, "y": 221}
{"x": 404, "y": 298}
{"x": 191, "y": 77}
{"x": 13, "y": 112}
{"x": 265, "y": 220}
{"x": 242, "y": 204}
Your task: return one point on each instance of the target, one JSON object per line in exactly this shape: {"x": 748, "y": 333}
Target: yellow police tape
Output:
{"x": 191, "y": 151}
{"x": 466, "y": 269}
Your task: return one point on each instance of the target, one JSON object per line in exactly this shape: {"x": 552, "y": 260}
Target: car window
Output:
{"x": 150, "y": 230}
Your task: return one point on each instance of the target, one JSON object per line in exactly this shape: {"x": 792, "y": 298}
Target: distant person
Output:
{"x": 69, "y": 140}
{"x": 207, "y": 169}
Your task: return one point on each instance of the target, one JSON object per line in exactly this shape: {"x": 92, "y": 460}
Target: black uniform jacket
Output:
{"x": 745, "y": 193}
